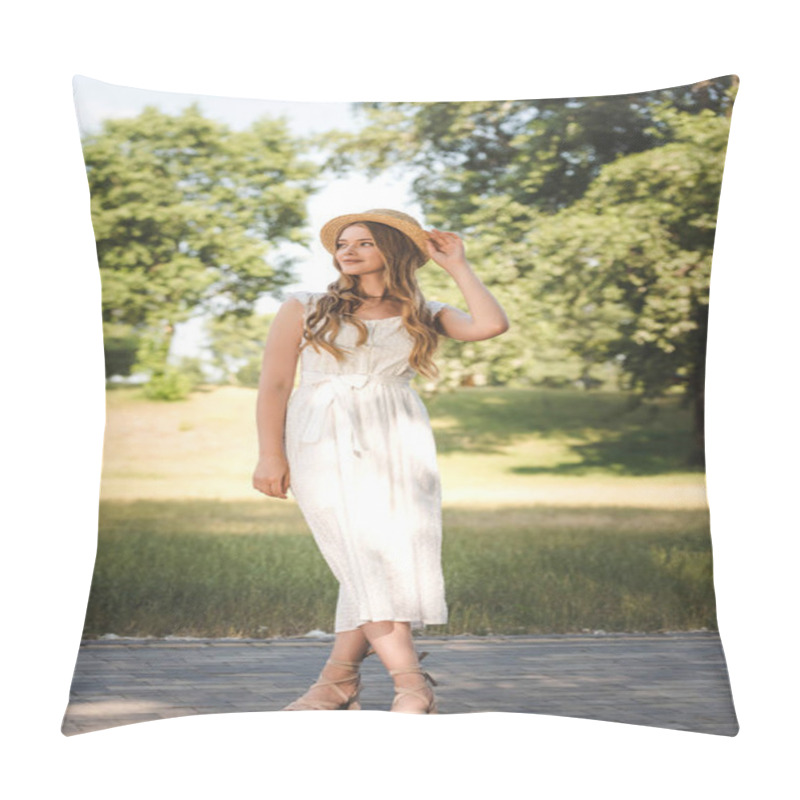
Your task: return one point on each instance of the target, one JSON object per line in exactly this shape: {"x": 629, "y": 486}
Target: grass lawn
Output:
{"x": 562, "y": 512}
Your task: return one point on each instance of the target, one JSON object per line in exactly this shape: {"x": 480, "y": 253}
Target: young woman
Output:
{"x": 354, "y": 440}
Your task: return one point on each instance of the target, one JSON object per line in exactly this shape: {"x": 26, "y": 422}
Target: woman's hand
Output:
{"x": 446, "y": 249}
{"x": 271, "y": 476}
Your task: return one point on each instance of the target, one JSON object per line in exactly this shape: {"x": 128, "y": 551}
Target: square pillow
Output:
{"x": 563, "y": 504}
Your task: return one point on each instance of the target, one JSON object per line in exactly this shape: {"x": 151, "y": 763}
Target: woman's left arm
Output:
{"x": 486, "y": 318}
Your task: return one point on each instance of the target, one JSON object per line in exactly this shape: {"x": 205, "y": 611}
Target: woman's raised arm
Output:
{"x": 486, "y": 318}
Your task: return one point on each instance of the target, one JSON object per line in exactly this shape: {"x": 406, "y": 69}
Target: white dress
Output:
{"x": 362, "y": 462}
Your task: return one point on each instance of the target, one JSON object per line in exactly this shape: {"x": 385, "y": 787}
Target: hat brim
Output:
{"x": 417, "y": 235}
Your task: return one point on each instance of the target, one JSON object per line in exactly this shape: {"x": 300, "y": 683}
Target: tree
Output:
{"x": 630, "y": 262}
{"x": 121, "y": 345}
{"x": 188, "y": 216}
{"x": 541, "y": 153}
{"x": 591, "y": 219}
{"x": 236, "y": 342}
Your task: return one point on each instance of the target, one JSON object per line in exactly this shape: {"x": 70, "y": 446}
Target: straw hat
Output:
{"x": 396, "y": 219}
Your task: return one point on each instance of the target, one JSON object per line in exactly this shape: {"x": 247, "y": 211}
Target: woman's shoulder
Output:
{"x": 307, "y": 298}
{"x": 435, "y": 306}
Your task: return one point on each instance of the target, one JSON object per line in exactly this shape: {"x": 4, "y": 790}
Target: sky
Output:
{"x": 97, "y": 100}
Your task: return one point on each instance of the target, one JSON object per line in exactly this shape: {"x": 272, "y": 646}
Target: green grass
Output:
{"x": 573, "y": 433}
{"x": 206, "y": 568}
{"x": 565, "y": 570}
{"x": 199, "y": 569}
{"x": 563, "y": 511}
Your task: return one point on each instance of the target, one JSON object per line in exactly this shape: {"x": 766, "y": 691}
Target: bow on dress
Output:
{"x": 339, "y": 386}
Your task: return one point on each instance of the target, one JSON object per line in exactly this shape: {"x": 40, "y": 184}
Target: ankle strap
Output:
{"x": 417, "y": 669}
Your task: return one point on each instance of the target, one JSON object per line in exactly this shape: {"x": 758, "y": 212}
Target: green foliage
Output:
{"x": 542, "y": 153}
{"x": 591, "y": 220}
{"x": 250, "y": 374}
{"x": 192, "y": 368}
{"x": 166, "y": 381}
{"x": 120, "y": 344}
{"x": 168, "y": 384}
{"x": 188, "y": 214}
{"x": 151, "y": 356}
{"x": 630, "y": 263}
{"x": 236, "y": 342}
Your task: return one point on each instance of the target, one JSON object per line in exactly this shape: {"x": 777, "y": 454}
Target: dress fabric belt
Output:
{"x": 339, "y": 386}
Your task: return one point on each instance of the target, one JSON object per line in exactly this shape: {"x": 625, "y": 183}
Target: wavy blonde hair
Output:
{"x": 344, "y": 296}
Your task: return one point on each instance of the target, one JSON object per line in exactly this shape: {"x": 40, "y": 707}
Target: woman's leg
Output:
{"x": 395, "y": 647}
{"x": 348, "y": 646}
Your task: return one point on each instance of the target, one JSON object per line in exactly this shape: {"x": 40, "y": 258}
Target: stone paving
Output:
{"x": 672, "y": 680}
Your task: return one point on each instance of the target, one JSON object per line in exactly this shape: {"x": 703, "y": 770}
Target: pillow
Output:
{"x": 564, "y": 502}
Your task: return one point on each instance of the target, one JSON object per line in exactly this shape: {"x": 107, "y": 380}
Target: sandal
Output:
{"x": 399, "y": 691}
{"x": 347, "y": 703}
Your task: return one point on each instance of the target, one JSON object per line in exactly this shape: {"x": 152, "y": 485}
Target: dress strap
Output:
{"x": 435, "y": 306}
{"x": 306, "y": 298}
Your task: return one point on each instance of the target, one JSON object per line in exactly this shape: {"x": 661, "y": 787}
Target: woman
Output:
{"x": 354, "y": 440}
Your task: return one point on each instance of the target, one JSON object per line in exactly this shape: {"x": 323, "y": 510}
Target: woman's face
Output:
{"x": 357, "y": 253}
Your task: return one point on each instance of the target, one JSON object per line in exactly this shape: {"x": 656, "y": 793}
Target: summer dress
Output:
{"x": 363, "y": 470}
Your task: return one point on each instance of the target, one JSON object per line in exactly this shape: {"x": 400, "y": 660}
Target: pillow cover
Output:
{"x": 575, "y": 539}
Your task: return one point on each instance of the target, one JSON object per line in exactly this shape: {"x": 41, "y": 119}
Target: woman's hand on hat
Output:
{"x": 446, "y": 248}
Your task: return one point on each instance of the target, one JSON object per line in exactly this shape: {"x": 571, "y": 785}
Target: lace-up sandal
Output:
{"x": 400, "y": 691}
{"x": 348, "y": 702}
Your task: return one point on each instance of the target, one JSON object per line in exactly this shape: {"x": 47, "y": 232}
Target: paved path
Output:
{"x": 677, "y": 681}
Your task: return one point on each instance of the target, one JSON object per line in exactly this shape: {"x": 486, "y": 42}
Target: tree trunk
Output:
{"x": 698, "y": 454}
